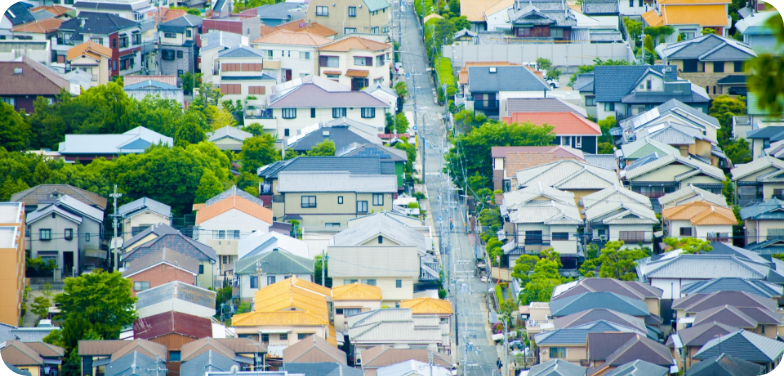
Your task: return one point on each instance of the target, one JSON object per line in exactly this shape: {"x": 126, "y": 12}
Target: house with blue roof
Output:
{"x": 570, "y": 343}
{"x": 276, "y": 14}
{"x": 153, "y": 88}
{"x": 86, "y": 147}
{"x": 747, "y": 346}
{"x": 488, "y": 88}
{"x": 142, "y": 214}
{"x": 764, "y": 221}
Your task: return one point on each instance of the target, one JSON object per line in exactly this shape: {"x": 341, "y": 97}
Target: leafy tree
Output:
{"x": 553, "y": 74}
{"x": 189, "y": 131}
{"x": 258, "y": 151}
{"x": 648, "y": 45}
{"x": 401, "y": 125}
{"x": 209, "y": 187}
{"x": 708, "y": 30}
{"x": 544, "y": 64}
{"x": 454, "y": 7}
{"x": 589, "y": 68}
{"x": 290, "y": 154}
{"x": 767, "y": 73}
{"x": 40, "y": 307}
{"x": 324, "y": 148}
{"x": 254, "y": 129}
{"x": 523, "y": 267}
{"x": 544, "y": 279}
{"x": 723, "y": 109}
{"x": 614, "y": 263}
{"x": 461, "y": 22}
{"x": 402, "y": 92}
{"x": 606, "y": 140}
{"x": 188, "y": 80}
{"x": 317, "y": 272}
{"x": 411, "y": 153}
{"x": 680, "y": 37}
{"x": 634, "y": 27}
{"x": 191, "y": 11}
{"x": 737, "y": 150}
{"x": 14, "y": 131}
{"x": 223, "y": 118}
{"x": 68, "y": 337}
{"x": 688, "y": 245}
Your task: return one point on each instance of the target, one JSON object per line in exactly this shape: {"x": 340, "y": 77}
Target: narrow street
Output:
{"x": 476, "y": 353}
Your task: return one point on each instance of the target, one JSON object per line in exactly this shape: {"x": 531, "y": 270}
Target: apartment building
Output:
{"x": 12, "y": 261}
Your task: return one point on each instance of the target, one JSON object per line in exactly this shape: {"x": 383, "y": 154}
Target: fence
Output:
{"x": 561, "y": 55}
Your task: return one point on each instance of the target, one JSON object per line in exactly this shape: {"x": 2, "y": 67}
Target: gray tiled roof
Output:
{"x": 160, "y": 229}
{"x": 207, "y": 361}
{"x": 639, "y": 368}
{"x": 174, "y": 241}
{"x": 724, "y": 365}
{"x": 335, "y": 181}
{"x": 579, "y": 334}
{"x": 506, "y": 78}
{"x": 612, "y": 83}
{"x": 232, "y": 192}
{"x": 567, "y": 174}
{"x": 386, "y": 153}
{"x": 600, "y": 7}
{"x": 767, "y": 133}
{"x": 556, "y": 367}
{"x": 353, "y": 165}
{"x": 591, "y": 300}
{"x": 48, "y": 193}
{"x": 380, "y": 224}
{"x": 708, "y": 47}
{"x": 592, "y": 315}
{"x": 751, "y": 286}
{"x": 18, "y": 14}
{"x": 701, "y": 266}
{"x": 97, "y": 23}
{"x": 605, "y": 161}
{"x": 699, "y": 335}
{"x": 163, "y": 256}
{"x": 179, "y": 24}
{"x": 176, "y": 290}
{"x": 695, "y": 95}
{"x": 276, "y": 262}
{"x": 691, "y": 193}
{"x": 145, "y": 203}
{"x": 743, "y": 345}
{"x": 319, "y": 92}
{"x": 542, "y": 12}
{"x": 615, "y": 193}
{"x": 323, "y": 369}
{"x": 280, "y": 11}
{"x": 700, "y": 302}
{"x": 229, "y": 132}
{"x": 241, "y": 51}
{"x": 341, "y": 136}
{"x": 542, "y": 105}
{"x": 771, "y": 209}
{"x": 135, "y": 363}
{"x": 584, "y": 83}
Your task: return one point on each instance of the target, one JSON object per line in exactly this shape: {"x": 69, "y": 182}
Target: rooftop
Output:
{"x": 287, "y": 37}
{"x": 504, "y": 78}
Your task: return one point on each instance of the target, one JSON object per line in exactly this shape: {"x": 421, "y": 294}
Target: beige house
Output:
{"x": 352, "y": 299}
{"x": 758, "y": 180}
{"x": 356, "y": 62}
{"x": 660, "y": 175}
{"x": 142, "y": 214}
{"x": 429, "y": 306}
{"x": 395, "y": 327}
{"x": 93, "y": 58}
{"x": 290, "y": 54}
{"x": 351, "y": 16}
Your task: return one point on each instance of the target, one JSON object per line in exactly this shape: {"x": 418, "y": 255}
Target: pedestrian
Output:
{"x": 499, "y": 364}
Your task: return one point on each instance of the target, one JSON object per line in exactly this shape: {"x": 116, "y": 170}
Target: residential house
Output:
{"x": 79, "y": 79}
{"x": 242, "y": 76}
{"x": 67, "y": 231}
{"x": 569, "y": 129}
{"x": 689, "y": 194}
{"x": 141, "y": 214}
{"x": 287, "y": 312}
{"x": 607, "y": 360}
{"x": 556, "y": 367}
{"x": 725, "y": 364}
{"x": 258, "y": 243}
{"x": 540, "y": 217}
{"x": 409, "y": 367}
{"x": 13, "y": 257}
{"x": 763, "y": 221}
{"x": 475, "y": 10}
{"x": 393, "y": 327}
{"x": 163, "y": 236}
{"x": 98, "y": 356}
{"x": 657, "y": 175}
{"x": 687, "y": 341}
{"x": 86, "y": 147}
{"x": 210, "y": 360}
{"x": 735, "y": 308}
{"x": 176, "y": 296}
{"x": 569, "y": 344}
{"x": 36, "y": 359}
{"x": 343, "y": 132}
{"x": 388, "y": 156}
{"x": 312, "y": 99}
{"x": 642, "y": 149}
{"x": 489, "y": 88}
{"x": 313, "y": 349}
{"x": 44, "y": 194}
{"x": 532, "y": 105}
{"x": 542, "y": 19}
{"x": 42, "y": 29}
{"x": 365, "y": 17}
{"x": 673, "y": 270}
{"x": 580, "y": 319}
{"x": 630, "y": 289}
{"x": 756, "y": 287}
{"x": 699, "y": 219}
{"x": 583, "y": 84}
{"x": 631, "y": 223}
{"x": 277, "y": 14}
{"x": 93, "y": 58}
{"x": 159, "y": 268}
{"x": 384, "y": 93}
{"x": 167, "y": 14}
{"x": 17, "y": 14}
{"x": 495, "y": 19}
{"x": 245, "y": 25}
{"x": 758, "y": 180}
{"x": 689, "y": 19}
{"x": 228, "y": 217}
{"x": 355, "y": 61}
{"x": 246, "y": 353}
{"x": 137, "y": 356}
{"x": 255, "y": 271}
{"x": 616, "y": 193}
{"x": 154, "y": 88}
{"x": 228, "y": 138}
{"x": 173, "y": 330}
{"x": 624, "y": 91}
{"x": 756, "y": 117}
{"x": 568, "y": 175}
{"x": 744, "y": 345}
{"x": 763, "y": 138}
{"x": 607, "y": 300}
{"x": 708, "y": 59}
{"x": 177, "y": 41}
{"x": 26, "y": 80}
{"x": 122, "y": 35}
{"x": 278, "y": 48}
{"x": 353, "y": 298}
{"x": 308, "y": 27}
{"x": 756, "y": 33}
{"x": 508, "y": 160}
{"x": 431, "y": 306}
{"x": 212, "y": 43}
{"x": 384, "y": 355}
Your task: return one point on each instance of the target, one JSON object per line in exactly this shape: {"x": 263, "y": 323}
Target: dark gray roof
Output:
{"x": 771, "y": 209}
{"x": 591, "y": 300}
{"x": 311, "y": 92}
{"x": 613, "y": 82}
{"x": 18, "y": 14}
{"x": 208, "y": 361}
{"x": 639, "y": 368}
{"x": 505, "y": 78}
{"x": 579, "y": 334}
{"x": 354, "y": 165}
{"x": 241, "y": 51}
{"x": 323, "y": 369}
{"x": 160, "y": 229}
{"x": 232, "y": 192}
{"x": 135, "y": 363}
{"x": 48, "y": 193}
{"x": 584, "y": 83}
{"x": 542, "y": 12}
{"x": 6, "y": 332}
{"x": 592, "y": 315}
{"x": 145, "y": 203}
{"x": 276, "y": 262}
{"x": 605, "y": 161}
{"x": 600, "y": 7}
{"x": 733, "y": 79}
{"x": 556, "y": 367}
{"x": 465, "y": 33}
{"x": 176, "y": 242}
{"x": 767, "y": 133}
{"x": 700, "y": 334}
{"x": 179, "y": 24}
{"x": 751, "y": 286}
{"x": 386, "y": 153}
{"x": 724, "y": 365}
{"x": 342, "y": 136}
{"x": 674, "y": 105}
{"x": 97, "y": 23}
{"x": 160, "y": 256}
{"x": 708, "y": 47}
{"x": 280, "y": 11}
{"x": 690, "y": 97}
{"x": 101, "y": 5}
{"x": 640, "y": 348}
{"x": 743, "y": 345}
{"x": 542, "y": 105}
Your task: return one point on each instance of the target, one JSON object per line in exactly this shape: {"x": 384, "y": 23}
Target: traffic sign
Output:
{"x": 408, "y": 75}
{"x": 439, "y": 218}
{"x": 414, "y": 128}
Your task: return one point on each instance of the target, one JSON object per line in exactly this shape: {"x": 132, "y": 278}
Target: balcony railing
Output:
{"x": 258, "y": 113}
{"x": 277, "y": 198}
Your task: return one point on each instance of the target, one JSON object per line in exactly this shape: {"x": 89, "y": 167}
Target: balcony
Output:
{"x": 261, "y": 117}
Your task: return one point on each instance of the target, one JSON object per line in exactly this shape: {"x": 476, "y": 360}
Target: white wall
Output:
{"x": 304, "y": 119}
{"x": 246, "y": 292}
{"x": 290, "y": 57}
{"x": 671, "y": 287}
{"x": 230, "y": 220}
{"x": 635, "y": 9}
{"x": 148, "y": 218}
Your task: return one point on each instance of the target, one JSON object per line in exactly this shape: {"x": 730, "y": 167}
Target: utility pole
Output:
{"x": 431, "y": 362}
{"x": 114, "y": 244}
{"x": 323, "y": 268}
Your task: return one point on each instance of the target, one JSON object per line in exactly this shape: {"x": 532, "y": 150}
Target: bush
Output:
{"x": 444, "y": 68}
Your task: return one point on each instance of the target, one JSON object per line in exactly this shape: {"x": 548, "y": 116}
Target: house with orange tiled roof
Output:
{"x": 38, "y": 30}
{"x": 352, "y": 299}
{"x": 92, "y": 58}
{"x": 355, "y": 61}
{"x": 311, "y": 27}
{"x": 290, "y": 54}
{"x": 701, "y": 220}
{"x": 425, "y": 307}
{"x": 690, "y": 17}
{"x": 569, "y": 128}
{"x": 226, "y": 218}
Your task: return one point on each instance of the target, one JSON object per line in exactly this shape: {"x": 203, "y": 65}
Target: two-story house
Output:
{"x": 758, "y": 180}
{"x": 507, "y": 160}
{"x": 542, "y": 19}
{"x": 213, "y": 43}
{"x": 569, "y": 128}
{"x": 141, "y": 214}
{"x": 240, "y": 76}
{"x": 351, "y": 16}
{"x": 159, "y": 268}
{"x": 763, "y": 221}
{"x": 701, "y": 220}
{"x": 352, "y": 299}
{"x": 257, "y": 270}
{"x": 355, "y": 61}
{"x": 689, "y": 19}
{"x": 578, "y": 178}
{"x": 92, "y": 58}
{"x": 630, "y": 221}
{"x": 26, "y": 80}
{"x": 177, "y": 44}
{"x": 654, "y": 176}
{"x": 488, "y": 88}
{"x": 290, "y": 54}
{"x": 313, "y": 99}
{"x": 123, "y": 36}
{"x": 708, "y": 60}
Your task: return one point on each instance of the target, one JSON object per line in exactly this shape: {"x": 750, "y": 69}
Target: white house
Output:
{"x": 290, "y": 54}
{"x": 259, "y": 242}
{"x": 385, "y": 94}
{"x": 141, "y": 214}
{"x": 355, "y": 61}
{"x": 242, "y": 75}
{"x": 214, "y": 42}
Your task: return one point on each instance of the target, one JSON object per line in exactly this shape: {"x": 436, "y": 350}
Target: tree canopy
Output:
{"x": 614, "y": 262}
{"x": 14, "y": 131}
{"x": 767, "y": 73}
{"x": 688, "y": 245}
{"x": 324, "y": 148}
{"x": 258, "y": 151}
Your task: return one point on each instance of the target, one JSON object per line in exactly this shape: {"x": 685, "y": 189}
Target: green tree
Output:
{"x": 544, "y": 279}
{"x": 767, "y": 73}
{"x": 411, "y": 153}
{"x": 634, "y": 27}
{"x": 589, "y": 68}
{"x": 209, "y": 187}
{"x": 523, "y": 267}
{"x": 191, "y": 11}
{"x": 317, "y": 272}
{"x": 14, "y": 131}
{"x": 254, "y": 129}
{"x": 708, "y": 30}
{"x": 648, "y": 46}
{"x": 188, "y": 80}
{"x": 401, "y": 125}
{"x": 553, "y": 74}
{"x": 737, "y": 150}
{"x": 689, "y": 246}
{"x": 258, "y": 151}
{"x": 189, "y": 131}
{"x": 454, "y": 7}
{"x": 543, "y": 64}
{"x": 606, "y": 140}
{"x": 461, "y": 23}
{"x": 324, "y": 148}
{"x": 40, "y": 307}
{"x": 614, "y": 262}
{"x": 723, "y": 108}
{"x": 290, "y": 154}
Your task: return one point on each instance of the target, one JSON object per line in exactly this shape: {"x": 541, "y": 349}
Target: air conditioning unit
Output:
{"x": 603, "y": 238}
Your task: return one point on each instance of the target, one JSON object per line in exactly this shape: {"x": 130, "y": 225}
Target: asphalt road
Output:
{"x": 476, "y": 352}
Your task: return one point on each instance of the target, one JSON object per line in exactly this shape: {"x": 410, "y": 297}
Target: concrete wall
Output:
{"x": 364, "y": 305}
{"x": 560, "y": 54}
{"x": 389, "y": 291}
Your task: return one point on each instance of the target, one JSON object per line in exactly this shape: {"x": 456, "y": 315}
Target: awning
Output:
{"x": 357, "y": 73}
{"x": 97, "y": 253}
{"x": 102, "y": 362}
{"x": 332, "y": 72}
{"x": 52, "y": 361}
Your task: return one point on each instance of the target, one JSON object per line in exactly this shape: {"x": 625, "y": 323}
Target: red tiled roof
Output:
{"x": 564, "y": 123}
{"x": 34, "y": 79}
{"x": 559, "y": 151}
{"x": 172, "y": 322}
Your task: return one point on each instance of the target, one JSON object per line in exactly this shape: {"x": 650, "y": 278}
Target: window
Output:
{"x": 380, "y": 239}
{"x": 718, "y": 237}
{"x": 304, "y": 55}
{"x": 369, "y": 282}
{"x": 524, "y": 32}
{"x": 379, "y": 60}
{"x": 775, "y": 233}
{"x": 718, "y": 66}
{"x": 648, "y": 85}
{"x": 10, "y": 101}
{"x": 338, "y": 112}
{"x": 286, "y": 132}
{"x": 219, "y": 234}
{"x": 304, "y": 335}
{"x": 556, "y": 33}
{"x": 141, "y": 286}
{"x": 368, "y": 112}
{"x": 363, "y": 61}
{"x": 560, "y": 236}
{"x": 578, "y": 142}
{"x": 352, "y": 11}
{"x": 201, "y": 269}
{"x": 349, "y": 30}
{"x": 362, "y": 206}
{"x": 339, "y": 311}
{"x": 374, "y": 30}
{"x": 322, "y": 11}
{"x": 398, "y": 283}
{"x": 609, "y": 106}
{"x": 234, "y": 234}
{"x": 270, "y": 280}
{"x": 378, "y": 199}
{"x": 329, "y": 62}
{"x": 312, "y": 113}
{"x": 169, "y": 35}
{"x": 685, "y": 231}
{"x": 124, "y": 41}
{"x": 284, "y": 336}
{"x": 349, "y": 281}
{"x": 738, "y": 66}
{"x": 533, "y": 237}
{"x": 188, "y": 33}
{"x": 308, "y": 201}
{"x": 87, "y": 237}
{"x": 174, "y": 356}
{"x": 639, "y": 3}
{"x": 631, "y": 237}
{"x": 289, "y": 113}
{"x": 332, "y": 224}
{"x": 114, "y": 43}
{"x": 254, "y": 282}
{"x": 631, "y": 3}
{"x": 557, "y": 352}
{"x": 270, "y": 53}
{"x": 264, "y": 337}
{"x": 68, "y": 234}
{"x": 231, "y": 89}
{"x": 340, "y": 200}
{"x": 352, "y": 311}
{"x": 590, "y": 101}
{"x": 689, "y": 65}
{"x": 179, "y": 54}
{"x": 253, "y": 90}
